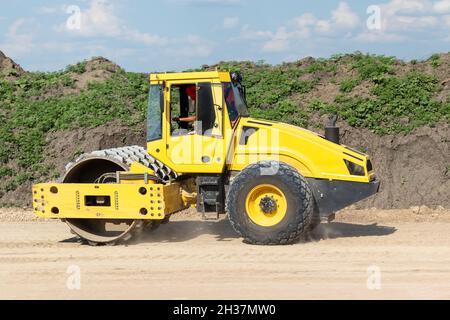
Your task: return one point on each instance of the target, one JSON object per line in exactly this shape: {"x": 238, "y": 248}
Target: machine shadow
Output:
{"x": 183, "y": 231}
{"x": 336, "y": 230}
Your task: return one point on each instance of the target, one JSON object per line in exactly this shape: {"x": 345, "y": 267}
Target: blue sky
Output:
{"x": 168, "y": 35}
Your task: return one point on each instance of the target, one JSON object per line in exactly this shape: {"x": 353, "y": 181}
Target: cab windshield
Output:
{"x": 235, "y": 99}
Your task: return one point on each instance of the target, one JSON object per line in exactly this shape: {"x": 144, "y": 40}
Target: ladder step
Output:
{"x": 210, "y": 216}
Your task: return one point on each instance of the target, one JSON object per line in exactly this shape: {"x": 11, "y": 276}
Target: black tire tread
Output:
{"x": 295, "y": 229}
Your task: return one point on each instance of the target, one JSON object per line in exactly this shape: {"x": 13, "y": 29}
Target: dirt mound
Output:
{"x": 414, "y": 168}
{"x": 9, "y": 68}
{"x": 96, "y": 69}
{"x": 64, "y": 146}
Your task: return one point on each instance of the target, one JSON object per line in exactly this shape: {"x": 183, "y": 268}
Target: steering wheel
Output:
{"x": 177, "y": 120}
{"x": 183, "y": 124}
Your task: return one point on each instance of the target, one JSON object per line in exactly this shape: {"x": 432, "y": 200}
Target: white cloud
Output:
{"x": 195, "y": 46}
{"x": 401, "y": 15}
{"x": 19, "y": 38}
{"x": 342, "y": 21}
{"x": 145, "y": 38}
{"x": 49, "y": 10}
{"x": 100, "y": 20}
{"x": 442, "y": 6}
{"x": 230, "y": 22}
{"x": 446, "y": 20}
{"x": 248, "y": 34}
{"x": 206, "y": 3}
{"x": 343, "y": 17}
{"x": 409, "y": 23}
{"x": 417, "y": 7}
{"x": 402, "y": 20}
{"x": 279, "y": 42}
{"x": 102, "y": 33}
{"x": 408, "y": 7}
{"x": 379, "y": 37}
{"x": 190, "y": 46}
{"x": 304, "y": 21}
{"x": 410, "y": 20}
{"x": 324, "y": 27}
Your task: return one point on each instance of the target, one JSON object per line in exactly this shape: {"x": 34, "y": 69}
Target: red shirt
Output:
{"x": 191, "y": 91}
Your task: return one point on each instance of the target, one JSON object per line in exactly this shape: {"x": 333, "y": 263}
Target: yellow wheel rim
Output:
{"x": 266, "y": 205}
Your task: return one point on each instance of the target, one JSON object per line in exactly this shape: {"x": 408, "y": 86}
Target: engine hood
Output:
{"x": 310, "y": 153}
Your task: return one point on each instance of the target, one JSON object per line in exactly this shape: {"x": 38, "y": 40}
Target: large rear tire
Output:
{"x": 270, "y": 203}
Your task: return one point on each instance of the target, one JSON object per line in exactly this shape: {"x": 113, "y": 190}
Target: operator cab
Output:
{"x": 187, "y": 116}
{"x": 191, "y": 118}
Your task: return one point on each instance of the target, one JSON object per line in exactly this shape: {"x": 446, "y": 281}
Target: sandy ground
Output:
{"x": 193, "y": 259}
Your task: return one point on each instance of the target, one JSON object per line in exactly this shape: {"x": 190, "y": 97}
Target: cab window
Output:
{"x": 230, "y": 100}
{"x": 234, "y": 95}
{"x": 154, "y": 120}
{"x": 182, "y": 109}
{"x": 192, "y": 109}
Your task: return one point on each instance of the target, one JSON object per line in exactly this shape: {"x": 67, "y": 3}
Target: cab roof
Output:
{"x": 218, "y": 76}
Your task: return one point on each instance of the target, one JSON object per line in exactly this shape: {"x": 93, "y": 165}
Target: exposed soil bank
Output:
{"x": 414, "y": 169}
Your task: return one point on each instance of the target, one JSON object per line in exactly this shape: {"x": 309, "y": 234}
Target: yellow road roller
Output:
{"x": 275, "y": 181}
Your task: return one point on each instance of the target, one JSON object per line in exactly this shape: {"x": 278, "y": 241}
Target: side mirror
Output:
{"x": 236, "y": 77}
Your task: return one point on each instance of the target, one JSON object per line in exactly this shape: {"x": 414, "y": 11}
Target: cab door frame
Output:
{"x": 196, "y": 153}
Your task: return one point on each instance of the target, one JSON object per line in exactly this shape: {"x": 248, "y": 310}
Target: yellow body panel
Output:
{"x": 191, "y": 76}
{"x": 126, "y": 201}
{"x": 137, "y": 167}
{"x": 311, "y": 154}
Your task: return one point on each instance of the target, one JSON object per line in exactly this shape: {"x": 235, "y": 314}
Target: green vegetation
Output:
{"x": 349, "y": 84}
{"x": 397, "y": 103}
{"x": 285, "y": 111}
{"x": 371, "y": 66}
{"x": 35, "y": 104}
{"x": 435, "y": 60}
{"x": 400, "y": 104}
{"x": 269, "y": 89}
{"x": 77, "y": 68}
{"x": 323, "y": 65}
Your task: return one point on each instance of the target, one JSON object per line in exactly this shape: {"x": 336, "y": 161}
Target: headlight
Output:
{"x": 354, "y": 169}
{"x": 369, "y": 166}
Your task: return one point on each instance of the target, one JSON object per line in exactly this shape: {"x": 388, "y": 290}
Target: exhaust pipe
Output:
{"x": 332, "y": 131}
